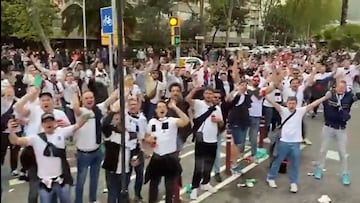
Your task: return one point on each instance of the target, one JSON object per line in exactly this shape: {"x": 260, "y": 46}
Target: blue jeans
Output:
{"x": 268, "y": 114}
{"x": 217, "y": 163}
{"x": 239, "y": 136}
{"x": 84, "y": 161}
{"x": 113, "y": 183}
{"x": 291, "y": 152}
{"x": 63, "y": 193}
{"x": 253, "y": 133}
{"x": 139, "y": 180}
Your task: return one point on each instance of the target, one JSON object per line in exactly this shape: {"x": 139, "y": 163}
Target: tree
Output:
{"x": 307, "y": 17}
{"x": 277, "y": 24}
{"x": 344, "y": 11}
{"x": 28, "y": 20}
{"x": 72, "y": 18}
{"x": 152, "y": 28}
{"x": 189, "y": 29}
{"x": 266, "y": 7}
{"x": 225, "y": 15}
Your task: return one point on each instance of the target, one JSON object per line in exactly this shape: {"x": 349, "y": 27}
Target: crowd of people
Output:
{"x": 49, "y": 105}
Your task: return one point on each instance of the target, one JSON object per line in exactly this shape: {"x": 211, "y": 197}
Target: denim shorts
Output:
{"x": 238, "y": 134}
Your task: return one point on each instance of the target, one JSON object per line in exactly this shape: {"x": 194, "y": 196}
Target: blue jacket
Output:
{"x": 336, "y": 115}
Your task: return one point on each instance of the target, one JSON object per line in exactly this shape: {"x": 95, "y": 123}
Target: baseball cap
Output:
{"x": 46, "y": 116}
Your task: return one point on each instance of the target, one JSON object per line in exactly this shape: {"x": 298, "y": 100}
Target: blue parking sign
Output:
{"x": 106, "y": 20}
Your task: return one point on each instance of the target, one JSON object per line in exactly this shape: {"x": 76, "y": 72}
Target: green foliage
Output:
{"x": 16, "y": 20}
{"x": 189, "y": 29}
{"x": 277, "y": 25}
{"x": 304, "y": 17}
{"x": 346, "y": 36}
{"x": 152, "y": 28}
{"x": 217, "y": 14}
{"x": 72, "y": 18}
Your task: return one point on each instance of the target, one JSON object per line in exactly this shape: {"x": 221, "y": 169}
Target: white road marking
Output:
{"x": 222, "y": 168}
{"x": 334, "y": 155}
{"x": 16, "y": 181}
{"x": 232, "y": 178}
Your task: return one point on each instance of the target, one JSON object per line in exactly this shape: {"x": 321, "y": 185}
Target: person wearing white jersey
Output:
{"x": 88, "y": 142}
{"x": 161, "y": 133}
{"x": 29, "y": 109}
{"x": 290, "y": 140}
{"x": 53, "y": 169}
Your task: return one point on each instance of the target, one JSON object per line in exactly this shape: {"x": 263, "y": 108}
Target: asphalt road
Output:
{"x": 229, "y": 192}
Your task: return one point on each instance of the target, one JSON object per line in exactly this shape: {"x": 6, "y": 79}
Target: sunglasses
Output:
{"x": 53, "y": 75}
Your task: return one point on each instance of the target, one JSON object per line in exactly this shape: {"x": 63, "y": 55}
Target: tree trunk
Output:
{"x": 35, "y": 20}
{"x": 344, "y": 10}
{"x": 202, "y": 24}
{"x": 285, "y": 39}
{"x": 264, "y": 37}
{"x": 214, "y": 35}
{"x": 228, "y": 22}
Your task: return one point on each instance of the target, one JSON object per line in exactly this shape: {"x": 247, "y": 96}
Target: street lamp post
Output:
{"x": 119, "y": 16}
{"x": 84, "y": 24}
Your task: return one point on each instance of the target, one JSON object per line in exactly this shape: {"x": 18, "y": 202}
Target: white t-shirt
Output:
{"x": 256, "y": 106}
{"x": 69, "y": 90}
{"x": 86, "y": 135}
{"x": 34, "y": 119}
{"x": 226, "y": 86}
{"x": 137, "y": 125}
{"x": 322, "y": 76}
{"x": 275, "y": 95}
{"x": 209, "y": 128}
{"x": 288, "y": 92}
{"x": 160, "y": 87}
{"x": 49, "y": 167}
{"x": 348, "y": 74}
{"x": 116, "y": 138}
{"x": 133, "y": 91}
{"x": 292, "y": 130}
{"x": 165, "y": 138}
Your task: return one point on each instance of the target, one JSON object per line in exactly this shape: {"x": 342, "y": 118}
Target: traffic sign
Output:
{"x": 198, "y": 37}
{"x": 105, "y": 38}
{"x": 106, "y": 20}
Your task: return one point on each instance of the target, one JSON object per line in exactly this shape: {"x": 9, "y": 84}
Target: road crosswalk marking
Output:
{"x": 232, "y": 178}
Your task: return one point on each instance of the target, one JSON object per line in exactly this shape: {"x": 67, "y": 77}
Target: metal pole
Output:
{"x": 119, "y": 8}
{"x": 84, "y": 23}
{"x": 177, "y": 55}
{"x": 111, "y": 62}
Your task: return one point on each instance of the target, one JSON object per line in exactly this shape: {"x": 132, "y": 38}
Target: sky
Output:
{"x": 354, "y": 8}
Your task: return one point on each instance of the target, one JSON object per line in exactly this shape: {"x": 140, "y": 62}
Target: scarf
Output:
{"x": 98, "y": 117}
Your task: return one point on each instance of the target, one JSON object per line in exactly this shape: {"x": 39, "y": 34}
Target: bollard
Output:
{"x": 176, "y": 196}
{"x": 262, "y": 131}
{"x": 228, "y": 153}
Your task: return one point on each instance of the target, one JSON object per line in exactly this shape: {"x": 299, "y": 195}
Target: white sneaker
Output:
{"x": 208, "y": 187}
{"x": 307, "y": 141}
{"x": 267, "y": 140}
{"x": 293, "y": 188}
{"x": 15, "y": 173}
{"x": 193, "y": 194}
{"x": 105, "y": 190}
{"x": 271, "y": 183}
